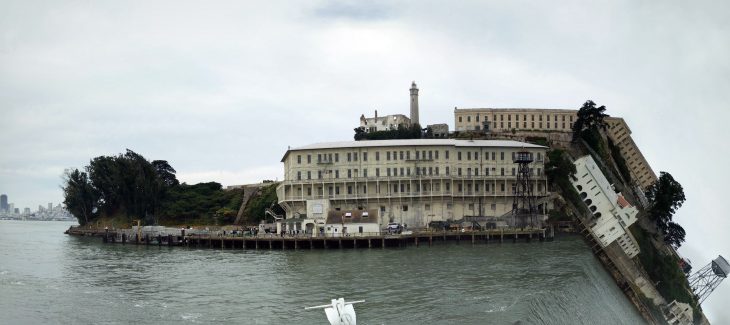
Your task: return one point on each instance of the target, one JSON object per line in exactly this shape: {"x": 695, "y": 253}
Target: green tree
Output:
{"x": 674, "y": 234}
{"x": 666, "y": 196}
{"x": 589, "y": 118}
{"x": 559, "y": 168}
{"x": 80, "y": 197}
{"x": 165, "y": 172}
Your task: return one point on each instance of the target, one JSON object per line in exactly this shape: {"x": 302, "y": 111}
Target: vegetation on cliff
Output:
{"x": 266, "y": 199}
{"x": 666, "y": 196}
{"x": 129, "y": 187}
{"x": 402, "y": 132}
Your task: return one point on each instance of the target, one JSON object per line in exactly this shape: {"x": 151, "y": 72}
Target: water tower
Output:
{"x": 704, "y": 281}
{"x": 523, "y": 208}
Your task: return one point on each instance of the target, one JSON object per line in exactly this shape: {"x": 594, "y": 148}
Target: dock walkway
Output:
{"x": 301, "y": 241}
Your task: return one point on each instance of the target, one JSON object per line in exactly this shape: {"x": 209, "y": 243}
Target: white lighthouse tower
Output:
{"x": 414, "y": 104}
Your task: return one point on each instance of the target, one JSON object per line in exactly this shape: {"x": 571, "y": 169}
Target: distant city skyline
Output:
{"x": 8, "y": 206}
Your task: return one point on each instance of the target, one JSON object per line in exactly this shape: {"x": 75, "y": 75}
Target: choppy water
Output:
{"x": 47, "y": 277}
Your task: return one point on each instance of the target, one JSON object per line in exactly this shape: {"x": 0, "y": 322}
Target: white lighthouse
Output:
{"x": 414, "y": 103}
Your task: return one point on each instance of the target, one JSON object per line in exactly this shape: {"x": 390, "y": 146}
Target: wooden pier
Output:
{"x": 296, "y": 242}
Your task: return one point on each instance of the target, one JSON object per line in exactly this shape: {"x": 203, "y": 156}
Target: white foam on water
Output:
{"x": 190, "y": 317}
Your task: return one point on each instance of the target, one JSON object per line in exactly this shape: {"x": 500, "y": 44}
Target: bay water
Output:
{"x": 47, "y": 277}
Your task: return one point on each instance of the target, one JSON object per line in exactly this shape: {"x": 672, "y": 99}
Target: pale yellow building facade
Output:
{"x": 518, "y": 119}
{"x": 641, "y": 171}
{"x": 554, "y": 120}
{"x": 410, "y": 182}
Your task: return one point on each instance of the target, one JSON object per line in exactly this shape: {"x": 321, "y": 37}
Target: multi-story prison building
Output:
{"x": 554, "y": 120}
{"x": 408, "y": 181}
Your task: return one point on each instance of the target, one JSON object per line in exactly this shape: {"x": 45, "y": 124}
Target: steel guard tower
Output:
{"x": 706, "y": 280}
{"x": 523, "y": 208}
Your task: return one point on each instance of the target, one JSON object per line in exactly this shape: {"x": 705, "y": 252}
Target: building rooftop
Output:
{"x": 414, "y": 142}
{"x": 553, "y": 110}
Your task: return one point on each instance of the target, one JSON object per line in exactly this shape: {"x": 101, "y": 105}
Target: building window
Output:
{"x": 405, "y": 207}
{"x": 319, "y": 174}
{"x": 458, "y": 155}
{"x": 468, "y": 118}
{"x": 437, "y": 170}
{"x": 459, "y": 171}
{"x": 349, "y": 190}
{"x": 377, "y": 155}
{"x": 364, "y": 156}
{"x": 364, "y": 172}
{"x": 501, "y": 172}
{"x": 446, "y": 154}
{"x": 401, "y": 156}
{"x": 437, "y": 154}
{"x": 337, "y": 190}
{"x": 349, "y": 156}
{"x": 309, "y": 159}
{"x": 501, "y": 187}
{"x": 337, "y": 173}
{"x": 309, "y": 175}
{"x": 349, "y": 173}
{"x": 501, "y": 155}
{"x": 354, "y": 156}
{"x": 299, "y": 159}
{"x": 513, "y": 172}
{"x": 447, "y": 170}
{"x": 299, "y": 176}
{"x": 309, "y": 191}
{"x": 460, "y": 119}
{"x": 476, "y": 156}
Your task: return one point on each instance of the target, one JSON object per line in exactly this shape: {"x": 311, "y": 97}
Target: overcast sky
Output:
{"x": 220, "y": 89}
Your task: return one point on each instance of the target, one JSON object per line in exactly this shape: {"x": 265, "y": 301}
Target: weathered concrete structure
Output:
{"x": 408, "y": 181}
{"x": 612, "y": 214}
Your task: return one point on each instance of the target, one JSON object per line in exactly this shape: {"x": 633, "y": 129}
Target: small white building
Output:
{"x": 384, "y": 123}
{"x": 679, "y": 313}
{"x": 357, "y": 223}
{"x": 611, "y": 213}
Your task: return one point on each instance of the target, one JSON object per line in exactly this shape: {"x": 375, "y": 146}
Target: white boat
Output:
{"x": 339, "y": 312}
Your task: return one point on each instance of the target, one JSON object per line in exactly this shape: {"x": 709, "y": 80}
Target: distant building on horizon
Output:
{"x": 4, "y": 202}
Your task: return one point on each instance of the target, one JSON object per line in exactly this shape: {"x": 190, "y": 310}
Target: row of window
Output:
{"x": 418, "y": 171}
{"x": 517, "y": 117}
{"x": 426, "y": 206}
{"x": 524, "y": 125}
{"x": 406, "y": 155}
{"x": 406, "y": 188}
